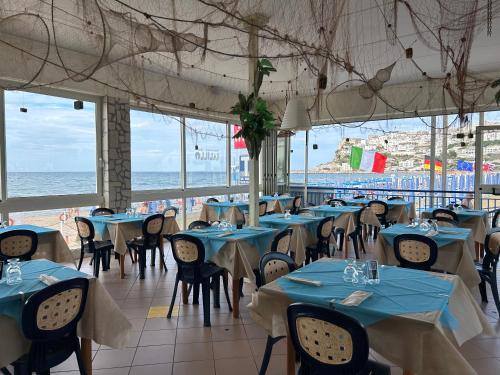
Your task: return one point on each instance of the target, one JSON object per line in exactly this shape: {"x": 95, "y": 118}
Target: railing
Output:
{"x": 424, "y": 199}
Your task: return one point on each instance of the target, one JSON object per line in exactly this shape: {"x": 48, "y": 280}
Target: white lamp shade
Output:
{"x": 296, "y": 116}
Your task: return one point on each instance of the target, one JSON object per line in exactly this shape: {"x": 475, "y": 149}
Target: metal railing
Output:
{"x": 424, "y": 199}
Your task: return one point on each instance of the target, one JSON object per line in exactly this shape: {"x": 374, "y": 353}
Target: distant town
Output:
{"x": 406, "y": 151}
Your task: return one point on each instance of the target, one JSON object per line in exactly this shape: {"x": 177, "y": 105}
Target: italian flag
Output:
{"x": 369, "y": 161}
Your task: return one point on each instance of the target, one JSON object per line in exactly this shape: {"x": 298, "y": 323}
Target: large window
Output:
{"x": 240, "y": 174}
{"x": 206, "y": 153}
{"x": 297, "y": 160}
{"x": 50, "y": 145}
{"x": 155, "y": 151}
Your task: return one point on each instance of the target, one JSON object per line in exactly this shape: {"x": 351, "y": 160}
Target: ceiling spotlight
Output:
{"x": 78, "y": 104}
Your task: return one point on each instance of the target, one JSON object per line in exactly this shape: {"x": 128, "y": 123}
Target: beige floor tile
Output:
{"x": 154, "y": 324}
{"x": 159, "y": 369}
{"x": 159, "y": 337}
{"x": 194, "y": 368}
{"x": 255, "y": 332}
{"x": 232, "y": 349}
{"x": 231, "y": 366}
{"x": 113, "y": 358}
{"x": 228, "y": 333}
{"x": 190, "y": 335}
{"x": 193, "y": 351}
{"x": 147, "y": 355}
{"x": 277, "y": 364}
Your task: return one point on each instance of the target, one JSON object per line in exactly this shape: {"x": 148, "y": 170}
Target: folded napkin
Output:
{"x": 225, "y": 234}
{"x": 48, "y": 280}
{"x": 355, "y": 298}
{"x": 303, "y": 281}
{"x": 262, "y": 229}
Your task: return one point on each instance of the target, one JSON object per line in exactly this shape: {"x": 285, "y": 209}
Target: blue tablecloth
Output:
{"x": 34, "y": 228}
{"x": 278, "y": 221}
{"x": 101, "y": 222}
{"x": 390, "y": 203}
{"x": 325, "y": 210}
{"x": 259, "y": 238}
{"x": 221, "y": 208}
{"x": 401, "y": 291}
{"x": 463, "y": 215}
{"x": 444, "y": 237}
{"x": 13, "y": 297}
{"x": 284, "y": 200}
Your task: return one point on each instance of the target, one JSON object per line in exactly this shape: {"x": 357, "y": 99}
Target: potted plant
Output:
{"x": 256, "y": 123}
{"x": 496, "y": 83}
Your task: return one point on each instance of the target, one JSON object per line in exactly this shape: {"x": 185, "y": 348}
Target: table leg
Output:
{"x": 86, "y": 348}
{"x": 122, "y": 266}
{"x": 290, "y": 356}
{"x": 236, "y": 298}
{"x": 184, "y": 293}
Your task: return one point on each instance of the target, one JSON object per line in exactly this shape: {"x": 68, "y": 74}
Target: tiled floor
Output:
{"x": 182, "y": 346}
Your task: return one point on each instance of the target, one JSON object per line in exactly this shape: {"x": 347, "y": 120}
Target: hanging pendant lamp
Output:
{"x": 296, "y": 116}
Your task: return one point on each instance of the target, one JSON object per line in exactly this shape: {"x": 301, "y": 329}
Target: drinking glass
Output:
{"x": 372, "y": 272}
{"x": 360, "y": 275}
{"x": 424, "y": 226}
{"x": 14, "y": 273}
{"x": 349, "y": 271}
{"x": 288, "y": 215}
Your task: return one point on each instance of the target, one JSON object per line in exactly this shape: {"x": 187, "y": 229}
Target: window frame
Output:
{"x": 49, "y": 202}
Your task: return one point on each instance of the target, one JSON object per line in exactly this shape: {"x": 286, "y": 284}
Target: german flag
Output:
{"x": 438, "y": 164}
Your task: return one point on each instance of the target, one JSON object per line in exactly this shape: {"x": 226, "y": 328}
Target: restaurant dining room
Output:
{"x": 243, "y": 187}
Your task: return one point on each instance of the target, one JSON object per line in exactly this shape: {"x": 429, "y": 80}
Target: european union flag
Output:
{"x": 465, "y": 166}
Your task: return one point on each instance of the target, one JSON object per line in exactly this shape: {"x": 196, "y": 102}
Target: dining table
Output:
{"x": 415, "y": 319}
{"x": 102, "y": 321}
{"x": 51, "y": 243}
{"x": 119, "y": 228}
{"x": 238, "y": 251}
{"x": 345, "y": 217}
{"x": 304, "y": 231}
{"x": 455, "y": 250}
{"x": 400, "y": 210}
{"x": 278, "y": 204}
{"x": 230, "y": 211}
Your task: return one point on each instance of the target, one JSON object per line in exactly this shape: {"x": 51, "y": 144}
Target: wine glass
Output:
{"x": 14, "y": 273}
{"x": 349, "y": 271}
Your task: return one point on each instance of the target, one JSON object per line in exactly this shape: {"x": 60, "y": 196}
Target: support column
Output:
{"x": 116, "y": 154}
{"x": 433, "y": 159}
{"x": 444, "y": 157}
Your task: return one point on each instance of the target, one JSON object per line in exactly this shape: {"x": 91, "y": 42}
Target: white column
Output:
{"x": 433, "y": 158}
{"x": 306, "y": 167}
{"x": 444, "y": 157}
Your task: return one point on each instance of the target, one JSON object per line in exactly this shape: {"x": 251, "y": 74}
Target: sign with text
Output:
{"x": 238, "y": 143}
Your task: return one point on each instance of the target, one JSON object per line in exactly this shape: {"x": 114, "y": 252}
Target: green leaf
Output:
{"x": 497, "y": 97}
{"x": 495, "y": 83}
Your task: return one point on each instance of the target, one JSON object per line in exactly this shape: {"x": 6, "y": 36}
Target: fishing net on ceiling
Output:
{"x": 320, "y": 47}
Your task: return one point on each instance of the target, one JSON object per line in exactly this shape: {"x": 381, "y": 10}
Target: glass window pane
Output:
{"x": 155, "y": 151}
{"x": 297, "y": 161}
{"x": 205, "y": 153}
{"x": 239, "y": 159}
{"x": 153, "y": 207}
{"x": 195, "y": 204}
{"x": 50, "y": 146}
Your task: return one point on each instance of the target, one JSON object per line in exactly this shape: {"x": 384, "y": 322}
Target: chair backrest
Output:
{"x": 102, "y": 211}
{"x": 379, "y": 208}
{"x": 495, "y": 222}
{"x": 18, "y": 243}
{"x": 199, "y": 224}
{"x": 273, "y": 265}
{"x": 325, "y": 228}
{"x": 170, "y": 212}
{"x": 337, "y": 202}
{"x": 212, "y": 200}
{"x": 85, "y": 229}
{"x": 444, "y": 212}
{"x": 415, "y": 251}
{"x": 297, "y": 203}
{"x": 492, "y": 248}
{"x": 54, "y": 311}
{"x": 187, "y": 250}
{"x": 326, "y": 340}
{"x": 395, "y": 198}
{"x": 446, "y": 222}
{"x": 151, "y": 230}
{"x": 262, "y": 208}
{"x": 281, "y": 243}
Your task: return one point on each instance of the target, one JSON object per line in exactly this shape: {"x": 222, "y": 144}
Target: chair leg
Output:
{"x": 205, "y": 290}
{"x": 172, "y": 302}
{"x": 97, "y": 262}
{"x": 267, "y": 354}
{"x": 361, "y": 242}
{"x": 142, "y": 263}
{"x": 241, "y": 288}
{"x": 226, "y": 289}
{"x": 196, "y": 293}
{"x": 494, "y": 291}
{"x": 341, "y": 242}
{"x": 81, "y": 260}
{"x": 162, "y": 260}
{"x": 375, "y": 233}
{"x": 131, "y": 256}
{"x": 355, "y": 245}
{"x": 153, "y": 257}
{"x": 216, "y": 290}
{"x": 79, "y": 359}
{"x": 482, "y": 291}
